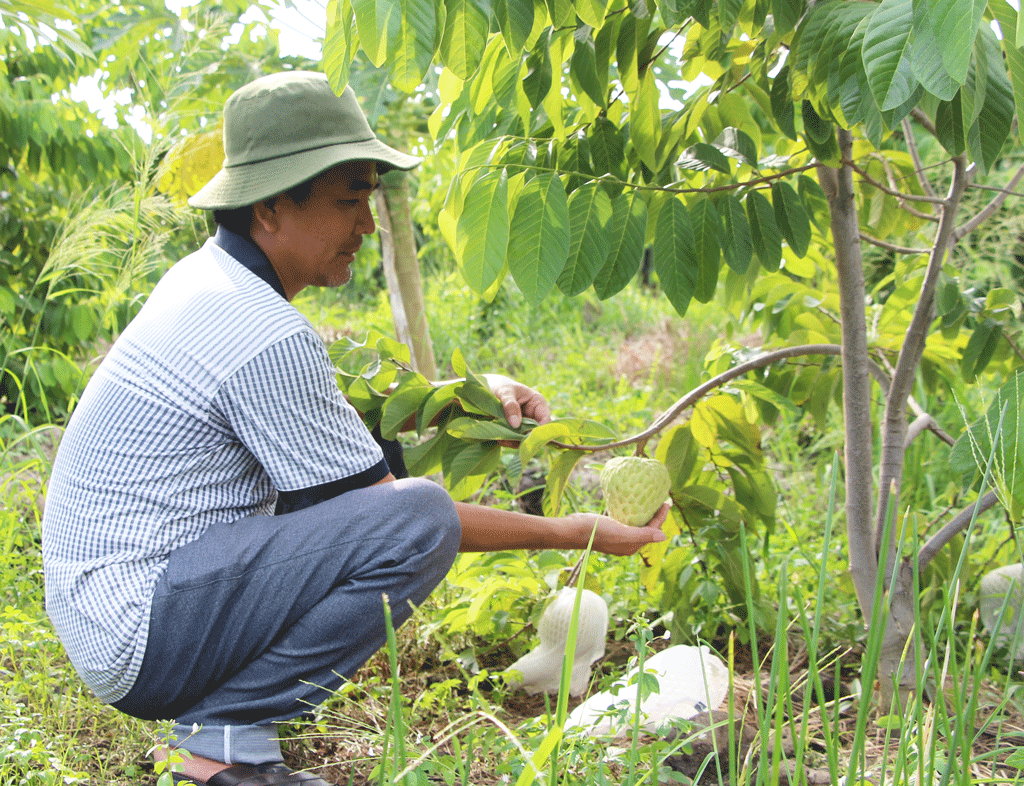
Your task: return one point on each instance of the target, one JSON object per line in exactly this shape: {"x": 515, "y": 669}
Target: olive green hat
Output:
{"x": 284, "y": 129}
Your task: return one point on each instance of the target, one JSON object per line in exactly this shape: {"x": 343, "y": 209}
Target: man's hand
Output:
{"x": 518, "y": 400}
{"x": 614, "y": 537}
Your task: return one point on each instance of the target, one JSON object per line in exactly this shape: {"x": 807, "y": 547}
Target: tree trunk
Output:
{"x": 838, "y": 186}
{"x": 402, "y": 271}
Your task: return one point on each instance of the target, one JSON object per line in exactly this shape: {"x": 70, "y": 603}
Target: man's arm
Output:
{"x": 491, "y": 529}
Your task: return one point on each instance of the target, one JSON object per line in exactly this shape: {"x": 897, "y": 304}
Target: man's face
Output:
{"x": 317, "y": 240}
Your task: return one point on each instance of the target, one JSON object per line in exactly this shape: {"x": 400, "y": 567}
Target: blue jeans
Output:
{"x": 259, "y": 620}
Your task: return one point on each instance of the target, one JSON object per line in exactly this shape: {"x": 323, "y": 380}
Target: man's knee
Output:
{"x": 431, "y": 509}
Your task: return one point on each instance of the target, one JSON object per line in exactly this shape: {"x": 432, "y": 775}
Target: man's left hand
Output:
{"x": 518, "y": 400}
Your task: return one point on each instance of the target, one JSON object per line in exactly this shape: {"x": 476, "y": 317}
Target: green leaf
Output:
{"x": 702, "y": 157}
{"x": 886, "y": 53}
{"x": 786, "y": 14}
{"x": 378, "y": 22}
{"x": 477, "y": 398}
{"x": 482, "y": 232}
{"x": 537, "y": 83}
{"x": 560, "y": 12}
{"x": 674, "y": 254}
{"x": 541, "y": 436}
{"x": 339, "y": 43}
{"x": 820, "y": 135}
{"x": 765, "y": 234}
{"x": 607, "y": 149}
{"x": 680, "y": 452}
{"x": 410, "y": 56}
{"x": 464, "y": 37}
{"x": 980, "y": 347}
{"x": 1009, "y": 20}
{"x": 813, "y": 197}
{"x": 433, "y": 406}
{"x": 736, "y": 243}
{"x": 583, "y": 67}
{"x": 481, "y": 430}
{"x": 465, "y": 466}
{"x": 995, "y": 118}
{"x": 557, "y": 478}
{"x": 591, "y": 12}
{"x": 426, "y": 458}
{"x": 782, "y": 104}
{"x": 928, "y": 59}
{"x": 791, "y": 217}
{"x": 737, "y": 144}
{"x": 590, "y": 214}
{"x": 707, "y": 229}
{"x": 540, "y": 226}
{"x": 645, "y": 120}
{"x": 949, "y": 126}
{"x": 728, "y": 13}
{"x": 515, "y": 21}
{"x": 627, "y": 230}
{"x": 403, "y": 403}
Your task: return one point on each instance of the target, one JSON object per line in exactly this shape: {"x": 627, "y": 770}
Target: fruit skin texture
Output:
{"x": 634, "y": 488}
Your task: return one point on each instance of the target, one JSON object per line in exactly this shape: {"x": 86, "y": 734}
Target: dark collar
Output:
{"x": 249, "y": 255}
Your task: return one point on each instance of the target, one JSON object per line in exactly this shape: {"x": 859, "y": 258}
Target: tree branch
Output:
{"x": 891, "y": 177}
{"x": 915, "y": 154}
{"x": 894, "y": 192}
{"x": 959, "y": 523}
{"x": 997, "y": 201}
{"x": 702, "y": 390}
{"x": 891, "y": 246}
{"x": 895, "y": 419}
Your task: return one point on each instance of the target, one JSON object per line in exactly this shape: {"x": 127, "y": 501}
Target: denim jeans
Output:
{"x": 258, "y": 621}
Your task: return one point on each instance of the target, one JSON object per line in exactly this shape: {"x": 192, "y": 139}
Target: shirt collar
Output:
{"x": 249, "y": 256}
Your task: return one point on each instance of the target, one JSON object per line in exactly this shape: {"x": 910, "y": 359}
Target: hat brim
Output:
{"x": 247, "y": 184}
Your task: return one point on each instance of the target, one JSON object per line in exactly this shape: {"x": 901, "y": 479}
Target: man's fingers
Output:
{"x": 513, "y": 413}
{"x": 660, "y": 517}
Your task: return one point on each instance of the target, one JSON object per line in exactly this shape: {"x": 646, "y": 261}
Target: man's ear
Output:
{"x": 264, "y": 215}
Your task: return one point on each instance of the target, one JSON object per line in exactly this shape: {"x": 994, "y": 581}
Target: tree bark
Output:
{"x": 838, "y": 187}
{"x": 402, "y": 271}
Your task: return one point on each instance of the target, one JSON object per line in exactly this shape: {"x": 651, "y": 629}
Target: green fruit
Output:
{"x": 634, "y": 488}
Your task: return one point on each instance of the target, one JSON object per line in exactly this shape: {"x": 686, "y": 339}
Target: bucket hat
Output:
{"x": 283, "y": 129}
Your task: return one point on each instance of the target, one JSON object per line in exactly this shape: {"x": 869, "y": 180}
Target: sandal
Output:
{"x": 276, "y": 774}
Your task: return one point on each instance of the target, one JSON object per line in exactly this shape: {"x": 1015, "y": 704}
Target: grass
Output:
{"x": 432, "y": 707}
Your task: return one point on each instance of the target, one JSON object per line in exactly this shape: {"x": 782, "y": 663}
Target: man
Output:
{"x": 175, "y": 588}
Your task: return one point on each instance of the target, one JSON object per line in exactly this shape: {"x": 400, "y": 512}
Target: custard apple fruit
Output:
{"x": 634, "y": 488}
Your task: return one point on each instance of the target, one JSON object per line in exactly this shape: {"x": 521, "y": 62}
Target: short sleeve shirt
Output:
{"x": 218, "y": 395}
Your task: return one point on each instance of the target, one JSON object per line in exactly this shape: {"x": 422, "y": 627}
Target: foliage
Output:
{"x": 555, "y": 113}
{"x": 719, "y": 481}
{"x": 78, "y": 244}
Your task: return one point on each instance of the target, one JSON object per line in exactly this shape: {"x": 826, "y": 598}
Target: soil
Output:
{"x": 705, "y": 759}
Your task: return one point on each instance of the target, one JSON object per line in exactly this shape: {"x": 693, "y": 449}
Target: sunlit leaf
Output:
{"x": 627, "y": 229}
{"x": 483, "y": 231}
{"x": 540, "y": 227}
{"x": 464, "y": 37}
{"x": 515, "y": 20}
{"x": 645, "y": 120}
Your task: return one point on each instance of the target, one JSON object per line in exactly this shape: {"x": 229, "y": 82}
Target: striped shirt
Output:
{"x": 218, "y": 395}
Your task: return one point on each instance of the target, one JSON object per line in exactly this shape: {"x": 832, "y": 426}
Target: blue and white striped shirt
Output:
{"x": 216, "y": 396}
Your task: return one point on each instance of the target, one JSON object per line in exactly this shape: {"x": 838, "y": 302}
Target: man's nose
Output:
{"x": 367, "y": 226}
